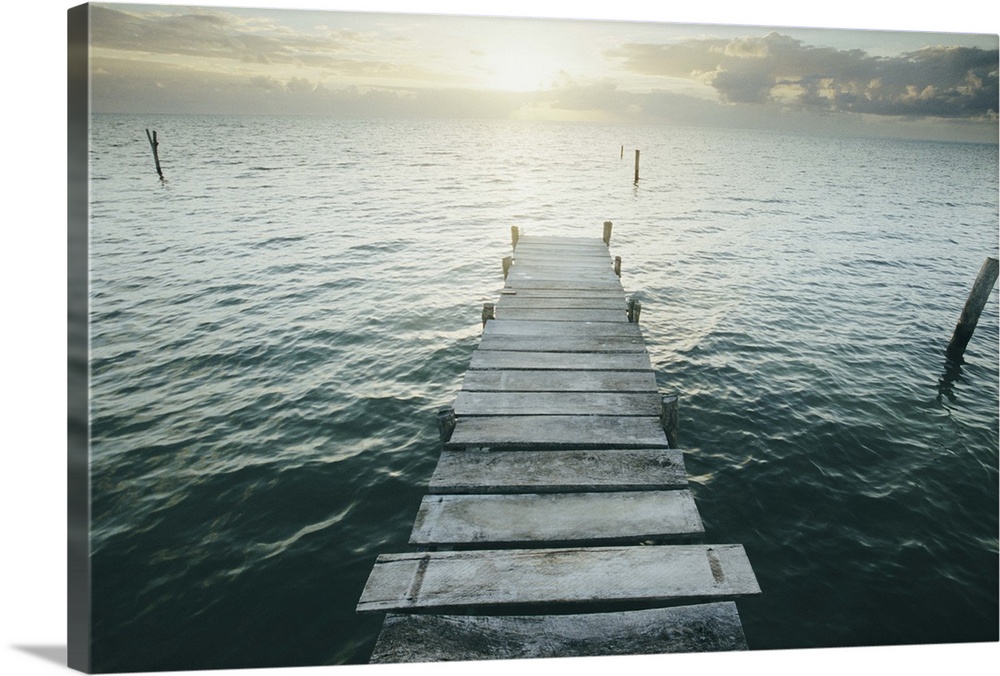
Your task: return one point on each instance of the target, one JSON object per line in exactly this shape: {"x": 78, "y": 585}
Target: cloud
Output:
{"x": 207, "y": 34}
{"x": 945, "y": 82}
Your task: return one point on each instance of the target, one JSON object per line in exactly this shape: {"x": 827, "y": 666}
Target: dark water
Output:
{"x": 274, "y": 328}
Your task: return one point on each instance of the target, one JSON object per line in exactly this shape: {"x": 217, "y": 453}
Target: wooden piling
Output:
{"x": 506, "y": 265}
{"x": 153, "y": 143}
{"x": 973, "y": 308}
{"x": 618, "y": 265}
{"x": 668, "y": 418}
{"x": 607, "y": 233}
{"x": 489, "y": 312}
{"x": 634, "y": 308}
{"x": 636, "y": 165}
{"x": 514, "y": 235}
{"x": 446, "y": 423}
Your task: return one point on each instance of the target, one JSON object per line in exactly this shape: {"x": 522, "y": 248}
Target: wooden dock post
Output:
{"x": 623, "y": 153}
{"x": 153, "y": 143}
{"x": 668, "y": 418}
{"x": 507, "y": 260}
{"x": 636, "y": 165}
{"x": 607, "y": 233}
{"x": 618, "y": 265}
{"x": 514, "y": 235}
{"x": 446, "y": 423}
{"x": 489, "y": 312}
{"x": 634, "y": 308}
{"x": 973, "y": 308}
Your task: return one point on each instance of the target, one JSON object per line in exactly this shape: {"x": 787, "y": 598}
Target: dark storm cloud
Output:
{"x": 947, "y": 82}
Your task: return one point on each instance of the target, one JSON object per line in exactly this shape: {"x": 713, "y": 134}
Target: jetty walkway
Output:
{"x": 558, "y": 521}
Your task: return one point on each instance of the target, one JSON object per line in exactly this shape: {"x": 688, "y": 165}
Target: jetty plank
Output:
{"x": 559, "y": 381}
{"x": 558, "y": 471}
{"x": 568, "y": 315}
{"x": 526, "y": 282}
{"x": 517, "y": 302}
{"x": 541, "y": 327}
{"x": 558, "y": 403}
{"x": 549, "y": 361}
{"x": 558, "y": 431}
{"x": 709, "y": 627}
{"x": 556, "y": 518}
{"x": 561, "y": 343}
{"x": 566, "y": 267}
{"x": 579, "y": 575}
{"x": 507, "y": 293}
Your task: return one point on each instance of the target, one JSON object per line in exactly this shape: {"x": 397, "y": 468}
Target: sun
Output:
{"x": 518, "y": 70}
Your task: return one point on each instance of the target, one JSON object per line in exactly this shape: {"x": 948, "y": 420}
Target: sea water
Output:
{"x": 274, "y": 327}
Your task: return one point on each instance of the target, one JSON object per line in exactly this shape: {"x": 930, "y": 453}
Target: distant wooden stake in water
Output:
{"x": 636, "y": 165}
{"x": 153, "y": 143}
{"x": 973, "y": 308}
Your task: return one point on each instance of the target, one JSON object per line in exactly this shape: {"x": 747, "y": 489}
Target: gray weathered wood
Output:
{"x": 561, "y": 343}
{"x": 632, "y": 516}
{"x": 558, "y": 471}
{"x": 552, "y": 361}
{"x": 707, "y": 627}
{"x": 503, "y": 577}
{"x": 567, "y": 315}
{"x": 551, "y": 278}
{"x": 518, "y": 302}
{"x": 557, "y": 431}
{"x": 561, "y": 240}
{"x": 974, "y": 305}
{"x": 559, "y": 381}
{"x": 543, "y": 327}
{"x": 514, "y": 281}
{"x": 558, "y": 403}
{"x": 562, "y": 262}
{"x": 579, "y": 294}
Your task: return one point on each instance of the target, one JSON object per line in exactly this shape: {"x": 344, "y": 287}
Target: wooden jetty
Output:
{"x": 558, "y": 521}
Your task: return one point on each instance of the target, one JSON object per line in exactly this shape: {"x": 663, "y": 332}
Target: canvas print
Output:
{"x": 406, "y": 338}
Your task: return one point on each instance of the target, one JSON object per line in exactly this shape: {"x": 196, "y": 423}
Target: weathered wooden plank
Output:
{"x": 561, "y": 249}
{"x": 559, "y": 381}
{"x": 561, "y": 257}
{"x": 553, "y": 361}
{"x": 563, "y": 315}
{"x": 590, "y": 294}
{"x": 558, "y": 403}
{"x": 561, "y": 343}
{"x": 557, "y": 431}
{"x": 545, "y": 241}
{"x": 542, "y": 327}
{"x": 592, "y": 278}
{"x": 583, "y": 240}
{"x": 516, "y": 302}
{"x": 556, "y": 517}
{"x": 503, "y": 577}
{"x": 562, "y": 264}
{"x": 518, "y": 283}
{"x": 706, "y": 627}
{"x": 558, "y": 471}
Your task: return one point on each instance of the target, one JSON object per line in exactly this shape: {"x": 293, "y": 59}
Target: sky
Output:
{"x": 224, "y": 60}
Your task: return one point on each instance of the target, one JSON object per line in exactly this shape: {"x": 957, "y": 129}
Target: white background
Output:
{"x": 33, "y": 391}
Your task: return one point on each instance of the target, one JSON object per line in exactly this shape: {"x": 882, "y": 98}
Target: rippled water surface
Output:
{"x": 273, "y": 329}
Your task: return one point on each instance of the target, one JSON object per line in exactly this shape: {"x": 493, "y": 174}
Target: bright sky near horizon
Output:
{"x": 222, "y": 59}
